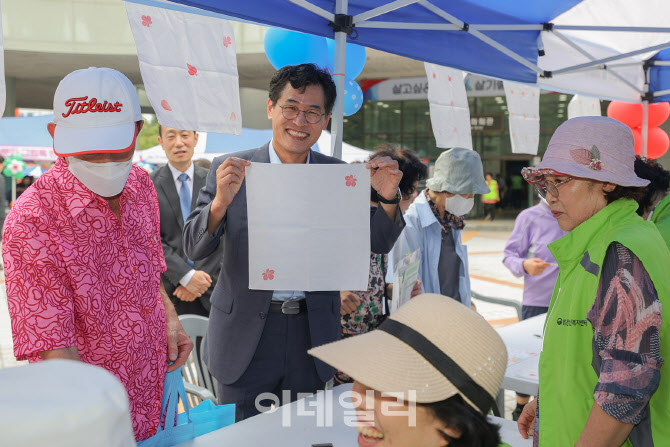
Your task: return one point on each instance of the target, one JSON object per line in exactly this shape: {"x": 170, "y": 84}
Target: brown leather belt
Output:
{"x": 288, "y": 307}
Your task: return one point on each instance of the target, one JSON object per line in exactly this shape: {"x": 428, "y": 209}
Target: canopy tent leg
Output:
{"x": 645, "y": 130}
{"x": 337, "y": 125}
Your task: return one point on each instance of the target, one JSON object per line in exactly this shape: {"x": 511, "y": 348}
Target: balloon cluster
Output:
{"x": 631, "y": 115}
{"x": 283, "y": 47}
{"x": 14, "y": 167}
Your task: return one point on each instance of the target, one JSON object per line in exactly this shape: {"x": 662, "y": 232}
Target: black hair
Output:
{"x": 625, "y": 192}
{"x": 475, "y": 430}
{"x": 412, "y": 168}
{"x": 160, "y": 130}
{"x": 300, "y": 77}
{"x": 658, "y": 177}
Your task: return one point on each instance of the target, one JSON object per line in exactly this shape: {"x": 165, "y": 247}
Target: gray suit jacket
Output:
{"x": 235, "y": 329}
{"x": 172, "y": 224}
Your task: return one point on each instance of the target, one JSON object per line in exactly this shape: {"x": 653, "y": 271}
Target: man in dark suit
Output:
{"x": 257, "y": 340}
{"x": 188, "y": 284}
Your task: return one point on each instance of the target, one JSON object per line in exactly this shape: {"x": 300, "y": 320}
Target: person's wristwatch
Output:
{"x": 393, "y": 201}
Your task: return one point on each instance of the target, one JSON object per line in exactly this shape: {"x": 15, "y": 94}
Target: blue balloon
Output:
{"x": 354, "y": 59}
{"x": 352, "y": 97}
{"x": 283, "y": 47}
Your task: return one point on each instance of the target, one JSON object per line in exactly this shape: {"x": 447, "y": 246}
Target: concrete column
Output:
{"x": 10, "y": 98}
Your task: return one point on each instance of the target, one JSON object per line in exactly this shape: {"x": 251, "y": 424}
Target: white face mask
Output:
{"x": 104, "y": 179}
{"x": 459, "y": 205}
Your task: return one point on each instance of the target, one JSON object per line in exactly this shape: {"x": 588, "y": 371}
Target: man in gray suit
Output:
{"x": 257, "y": 340}
{"x": 188, "y": 284}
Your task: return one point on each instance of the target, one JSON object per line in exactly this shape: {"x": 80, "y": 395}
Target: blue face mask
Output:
{"x": 104, "y": 179}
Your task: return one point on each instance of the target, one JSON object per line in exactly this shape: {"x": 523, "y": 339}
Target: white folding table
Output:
{"x": 318, "y": 419}
{"x": 524, "y": 344}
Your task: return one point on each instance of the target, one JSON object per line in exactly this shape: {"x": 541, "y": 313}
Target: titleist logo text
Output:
{"x": 81, "y": 105}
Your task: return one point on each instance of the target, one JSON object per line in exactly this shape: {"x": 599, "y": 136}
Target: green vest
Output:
{"x": 493, "y": 195}
{"x": 567, "y": 379}
{"x": 661, "y": 218}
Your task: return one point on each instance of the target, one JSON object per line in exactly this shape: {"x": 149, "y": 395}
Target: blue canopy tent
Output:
{"x": 28, "y": 137}
{"x": 602, "y": 48}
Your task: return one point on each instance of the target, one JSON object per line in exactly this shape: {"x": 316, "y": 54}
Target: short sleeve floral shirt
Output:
{"x": 77, "y": 276}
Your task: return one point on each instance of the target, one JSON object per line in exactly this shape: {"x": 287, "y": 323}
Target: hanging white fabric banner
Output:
{"x": 449, "y": 110}
{"x": 583, "y": 106}
{"x": 523, "y": 105}
{"x": 189, "y": 68}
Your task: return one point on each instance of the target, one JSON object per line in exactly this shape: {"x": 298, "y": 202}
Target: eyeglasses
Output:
{"x": 550, "y": 187}
{"x": 292, "y": 112}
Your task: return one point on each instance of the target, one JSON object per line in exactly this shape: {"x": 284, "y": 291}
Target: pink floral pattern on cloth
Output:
{"x": 76, "y": 276}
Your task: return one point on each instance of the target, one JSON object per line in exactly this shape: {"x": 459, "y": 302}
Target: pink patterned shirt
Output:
{"x": 76, "y": 276}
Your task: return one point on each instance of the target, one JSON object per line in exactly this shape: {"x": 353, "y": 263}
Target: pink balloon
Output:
{"x": 628, "y": 113}
{"x": 658, "y": 142}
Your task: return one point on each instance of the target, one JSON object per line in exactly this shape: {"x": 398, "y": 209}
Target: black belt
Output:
{"x": 288, "y": 307}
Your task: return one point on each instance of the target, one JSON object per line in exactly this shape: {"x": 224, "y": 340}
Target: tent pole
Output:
{"x": 645, "y": 127}
{"x": 611, "y": 58}
{"x": 338, "y": 111}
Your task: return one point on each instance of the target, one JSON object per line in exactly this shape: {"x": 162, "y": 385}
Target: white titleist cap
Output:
{"x": 95, "y": 111}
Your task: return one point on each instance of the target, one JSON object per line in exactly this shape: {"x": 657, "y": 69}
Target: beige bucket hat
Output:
{"x": 432, "y": 345}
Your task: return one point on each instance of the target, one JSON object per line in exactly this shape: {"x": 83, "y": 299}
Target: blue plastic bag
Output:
{"x": 197, "y": 421}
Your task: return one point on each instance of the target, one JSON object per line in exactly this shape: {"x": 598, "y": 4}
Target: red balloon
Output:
{"x": 657, "y": 142}
{"x": 628, "y": 113}
{"x": 658, "y": 113}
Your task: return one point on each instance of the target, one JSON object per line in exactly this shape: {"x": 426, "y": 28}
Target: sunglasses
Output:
{"x": 550, "y": 187}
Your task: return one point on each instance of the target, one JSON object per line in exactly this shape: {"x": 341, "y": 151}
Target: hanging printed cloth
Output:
{"x": 449, "y": 110}
{"x": 189, "y": 68}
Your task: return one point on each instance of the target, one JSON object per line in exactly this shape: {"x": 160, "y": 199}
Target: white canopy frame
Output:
{"x": 343, "y": 25}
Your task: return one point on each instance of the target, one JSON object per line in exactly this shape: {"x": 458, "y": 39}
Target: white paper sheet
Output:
{"x": 405, "y": 275}
{"x": 523, "y": 105}
{"x": 449, "y": 110}
{"x": 189, "y": 68}
{"x": 309, "y": 226}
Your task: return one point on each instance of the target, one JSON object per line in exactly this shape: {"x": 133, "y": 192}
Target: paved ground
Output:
{"x": 485, "y": 241}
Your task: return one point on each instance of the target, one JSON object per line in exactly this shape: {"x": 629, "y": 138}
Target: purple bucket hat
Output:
{"x": 592, "y": 147}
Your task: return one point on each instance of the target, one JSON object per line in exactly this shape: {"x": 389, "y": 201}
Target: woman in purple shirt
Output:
{"x": 526, "y": 254}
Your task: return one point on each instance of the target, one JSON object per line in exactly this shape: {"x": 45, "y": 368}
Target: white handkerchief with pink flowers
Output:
{"x": 188, "y": 66}
{"x": 309, "y": 226}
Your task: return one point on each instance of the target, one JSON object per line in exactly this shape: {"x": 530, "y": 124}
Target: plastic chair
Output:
{"x": 199, "y": 383}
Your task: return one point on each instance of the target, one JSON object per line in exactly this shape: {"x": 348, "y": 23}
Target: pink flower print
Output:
{"x": 351, "y": 180}
{"x": 166, "y": 105}
{"x": 192, "y": 70}
{"x": 146, "y": 21}
{"x": 227, "y": 41}
{"x": 268, "y": 275}
{"x": 596, "y": 165}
